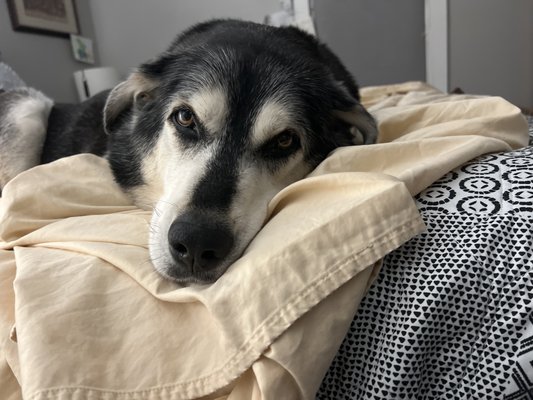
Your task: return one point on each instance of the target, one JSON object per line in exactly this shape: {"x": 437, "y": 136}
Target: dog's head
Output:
{"x": 210, "y": 131}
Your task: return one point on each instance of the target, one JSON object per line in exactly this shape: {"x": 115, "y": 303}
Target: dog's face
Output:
{"x": 210, "y": 131}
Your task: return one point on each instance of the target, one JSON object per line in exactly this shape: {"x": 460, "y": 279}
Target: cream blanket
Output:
{"x": 93, "y": 319}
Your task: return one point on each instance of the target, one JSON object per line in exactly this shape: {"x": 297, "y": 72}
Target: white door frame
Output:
{"x": 436, "y": 17}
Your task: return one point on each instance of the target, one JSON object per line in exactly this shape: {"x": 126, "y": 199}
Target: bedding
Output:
{"x": 84, "y": 315}
{"x": 451, "y": 315}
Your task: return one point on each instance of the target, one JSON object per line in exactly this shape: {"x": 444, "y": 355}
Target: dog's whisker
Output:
{"x": 168, "y": 202}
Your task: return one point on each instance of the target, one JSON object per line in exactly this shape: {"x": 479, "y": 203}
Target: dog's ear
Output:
{"x": 348, "y": 110}
{"x": 363, "y": 126}
{"x": 136, "y": 91}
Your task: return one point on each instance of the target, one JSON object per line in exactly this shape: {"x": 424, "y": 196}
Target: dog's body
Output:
{"x": 208, "y": 133}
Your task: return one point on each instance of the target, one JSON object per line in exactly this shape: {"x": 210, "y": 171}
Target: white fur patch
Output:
{"x": 273, "y": 118}
{"x": 211, "y": 108}
{"x": 173, "y": 174}
{"x": 23, "y": 135}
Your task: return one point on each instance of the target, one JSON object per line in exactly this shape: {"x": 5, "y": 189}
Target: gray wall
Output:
{"x": 491, "y": 48}
{"x": 130, "y": 32}
{"x": 42, "y": 61}
{"x": 380, "y": 41}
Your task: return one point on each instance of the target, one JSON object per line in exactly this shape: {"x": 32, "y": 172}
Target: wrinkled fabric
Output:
{"x": 94, "y": 320}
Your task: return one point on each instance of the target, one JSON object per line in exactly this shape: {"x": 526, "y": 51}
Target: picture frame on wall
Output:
{"x": 82, "y": 49}
{"x": 49, "y": 17}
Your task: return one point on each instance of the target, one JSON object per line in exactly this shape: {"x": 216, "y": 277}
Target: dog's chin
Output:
{"x": 186, "y": 280}
{"x": 183, "y": 277}
{"x": 172, "y": 270}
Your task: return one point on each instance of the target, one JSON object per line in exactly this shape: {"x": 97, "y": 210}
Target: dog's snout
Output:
{"x": 199, "y": 243}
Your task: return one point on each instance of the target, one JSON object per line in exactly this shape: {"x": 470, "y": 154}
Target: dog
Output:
{"x": 205, "y": 134}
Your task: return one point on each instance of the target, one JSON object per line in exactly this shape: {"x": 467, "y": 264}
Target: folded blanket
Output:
{"x": 93, "y": 319}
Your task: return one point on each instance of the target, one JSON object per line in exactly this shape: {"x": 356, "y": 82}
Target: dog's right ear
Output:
{"x": 136, "y": 91}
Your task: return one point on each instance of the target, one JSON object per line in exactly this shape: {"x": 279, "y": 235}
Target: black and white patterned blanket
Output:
{"x": 451, "y": 313}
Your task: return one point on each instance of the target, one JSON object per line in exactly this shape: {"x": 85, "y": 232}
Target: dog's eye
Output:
{"x": 183, "y": 117}
{"x": 282, "y": 145}
{"x": 285, "y": 139}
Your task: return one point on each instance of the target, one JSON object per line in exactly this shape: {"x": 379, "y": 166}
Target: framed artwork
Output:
{"x": 50, "y": 17}
{"x": 82, "y": 48}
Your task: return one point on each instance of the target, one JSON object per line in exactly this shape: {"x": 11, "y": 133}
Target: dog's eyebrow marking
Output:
{"x": 272, "y": 118}
{"x": 210, "y": 104}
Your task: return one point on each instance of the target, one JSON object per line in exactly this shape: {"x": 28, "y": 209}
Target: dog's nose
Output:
{"x": 198, "y": 242}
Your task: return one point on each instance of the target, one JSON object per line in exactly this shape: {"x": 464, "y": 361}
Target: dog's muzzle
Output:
{"x": 198, "y": 244}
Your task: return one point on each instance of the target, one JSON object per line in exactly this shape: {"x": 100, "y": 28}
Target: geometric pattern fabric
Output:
{"x": 450, "y": 315}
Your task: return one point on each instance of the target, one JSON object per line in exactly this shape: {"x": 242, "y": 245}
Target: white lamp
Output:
{"x": 93, "y": 80}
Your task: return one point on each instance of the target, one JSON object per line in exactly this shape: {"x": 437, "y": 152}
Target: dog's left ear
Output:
{"x": 134, "y": 92}
{"x": 348, "y": 110}
{"x": 363, "y": 125}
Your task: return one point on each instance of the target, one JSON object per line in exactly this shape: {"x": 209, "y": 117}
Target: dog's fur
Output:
{"x": 206, "y": 134}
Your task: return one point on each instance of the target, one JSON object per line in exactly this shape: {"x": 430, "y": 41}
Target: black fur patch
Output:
{"x": 128, "y": 147}
{"x": 76, "y": 128}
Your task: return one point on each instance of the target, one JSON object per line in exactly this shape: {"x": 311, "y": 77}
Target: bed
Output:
{"x": 408, "y": 277}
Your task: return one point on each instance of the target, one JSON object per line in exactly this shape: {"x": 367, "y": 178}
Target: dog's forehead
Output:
{"x": 249, "y": 94}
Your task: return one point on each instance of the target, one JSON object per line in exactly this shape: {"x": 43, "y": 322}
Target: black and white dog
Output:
{"x": 207, "y": 133}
